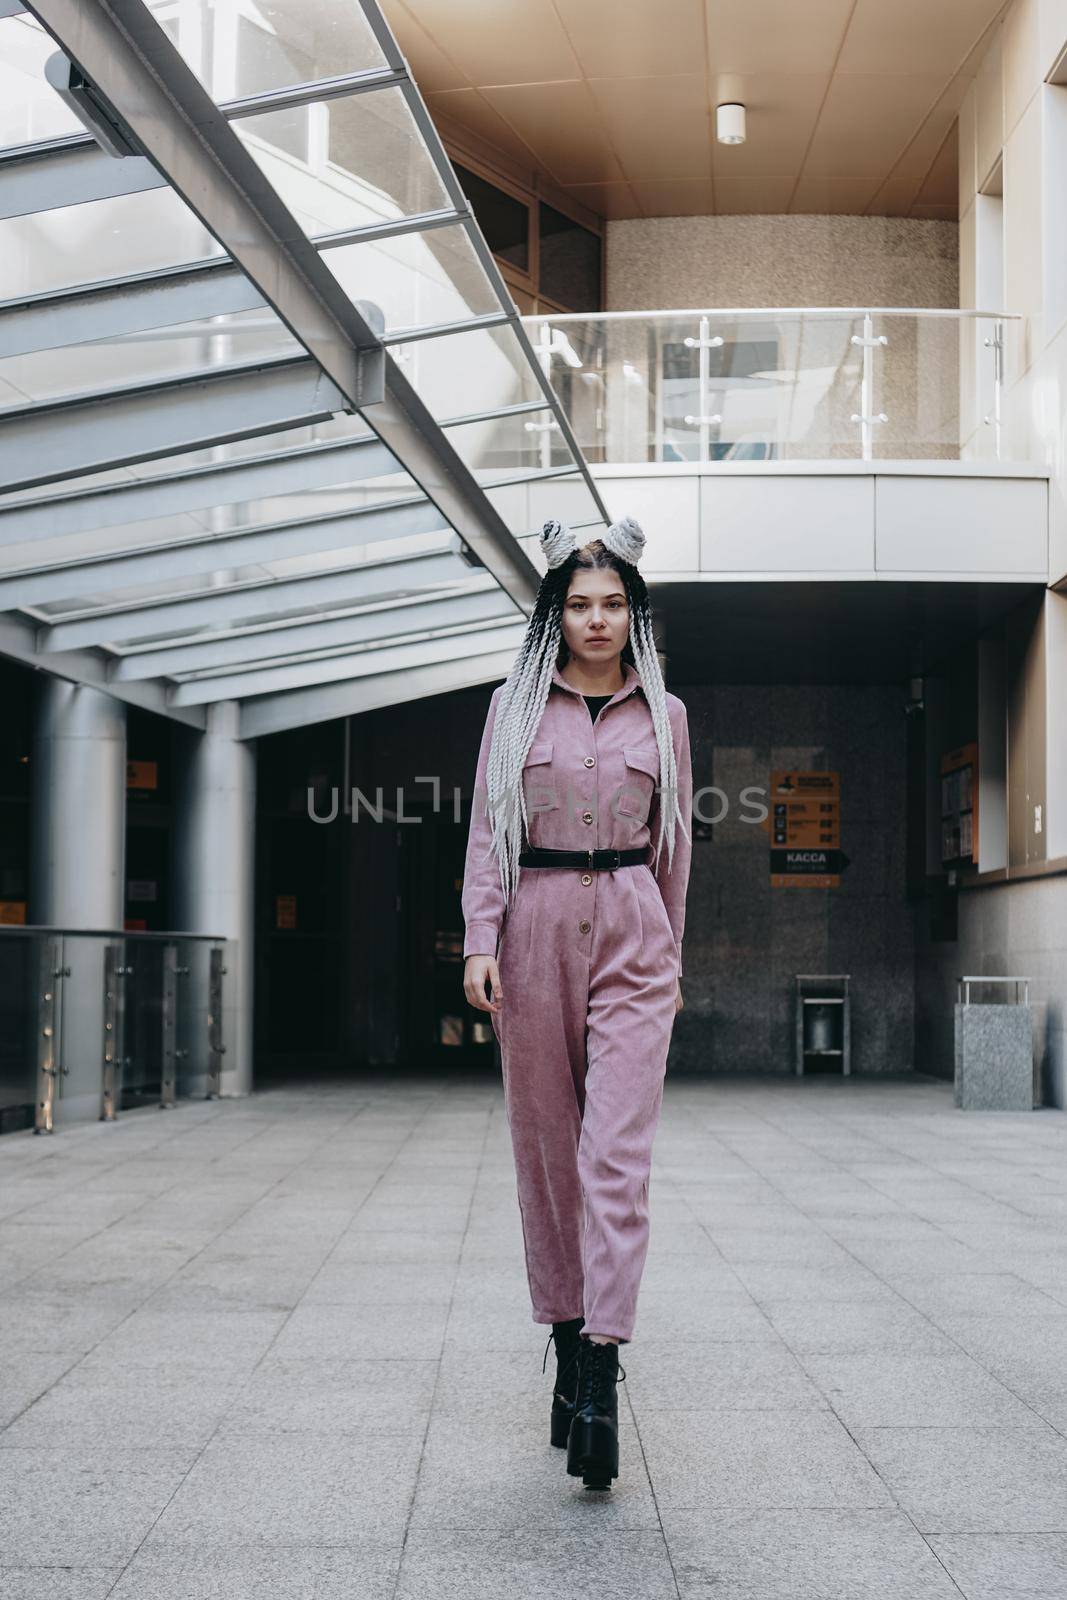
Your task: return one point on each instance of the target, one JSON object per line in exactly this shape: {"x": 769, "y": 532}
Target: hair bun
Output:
{"x": 625, "y": 539}
{"x": 557, "y": 542}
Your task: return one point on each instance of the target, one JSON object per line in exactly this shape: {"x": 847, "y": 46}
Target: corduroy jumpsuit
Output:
{"x": 589, "y": 963}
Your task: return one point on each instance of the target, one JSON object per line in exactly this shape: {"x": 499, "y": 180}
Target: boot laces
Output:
{"x": 565, "y": 1363}
{"x": 595, "y": 1378}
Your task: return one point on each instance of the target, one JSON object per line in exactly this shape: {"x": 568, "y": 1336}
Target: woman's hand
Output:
{"x": 678, "y": 1001}
{"x": 479, "y": 971}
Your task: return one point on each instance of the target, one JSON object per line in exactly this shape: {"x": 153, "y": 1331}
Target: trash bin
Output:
{"x": 994, "y": 1048}
{"x": 823, "y": 1022}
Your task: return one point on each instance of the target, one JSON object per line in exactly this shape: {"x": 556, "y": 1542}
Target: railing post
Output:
{"x": 49, "y": 976}
{"x": 215, "y": 1045}
{"x": 996, "y": 344}
{"x": 866, "y": 416}
{"x": 168, "y": 1060}
{"x": 544, "y": 350}
{"x": 115, "y": 971}
{"x": 703, "y": 419}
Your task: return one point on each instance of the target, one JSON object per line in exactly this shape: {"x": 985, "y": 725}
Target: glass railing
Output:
{"x": 777, "y": 385}
{"x": 96, "y": 1023}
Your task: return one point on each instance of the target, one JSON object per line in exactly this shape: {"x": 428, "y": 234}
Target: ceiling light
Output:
{"x": 730, "y": 123}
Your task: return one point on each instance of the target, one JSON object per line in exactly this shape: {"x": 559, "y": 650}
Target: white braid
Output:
{"x": 525, "y": 694}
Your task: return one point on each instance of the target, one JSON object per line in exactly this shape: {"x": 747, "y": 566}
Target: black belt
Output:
{"x": 585, "y": 860}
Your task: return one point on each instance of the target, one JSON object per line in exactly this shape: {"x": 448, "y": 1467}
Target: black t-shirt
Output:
{"x": 596, "y": 703}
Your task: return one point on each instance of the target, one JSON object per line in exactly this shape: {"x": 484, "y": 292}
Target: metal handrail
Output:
{"x": 960, "y": 313}
{"x": 876, "y": 330}
{"x": 964, "y": 987}
{"x": 108, "y": 933}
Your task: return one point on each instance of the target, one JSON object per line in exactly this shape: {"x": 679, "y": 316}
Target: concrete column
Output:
{"x": 78, "y": 807}
{"x": 77, "y": 871}
{"x": 214, "y": 868}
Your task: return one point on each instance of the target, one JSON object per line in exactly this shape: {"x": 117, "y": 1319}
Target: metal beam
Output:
{"x": 45, "y": 444}
{"x": 301, "y": 707}
{"x": 127, "y": 56}
{"x": 462, "y": 645}
{"x": 55, "y": 173}
{"x": 432, "y": 139}
{"x": 406, "y": 425}
{"x": 18, "y": 642}
{"x": 476, "y": 604}
{"x": 519, "y": 409}
{"x": 131, "y": 61}
{"x": 538, "y": 475}
{"x": 131, "y": 305}
{"x": 307, "y": 467}
{"x": 71, "y": 174}
{"x": 249, "y": 547}
{"x": 443, "y": 330}
{"x": 260, "y": 601}
{"x": 304, "y": 470}
{"x": 167, "y": 297}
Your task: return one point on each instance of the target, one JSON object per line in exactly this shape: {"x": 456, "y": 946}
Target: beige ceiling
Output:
{"x": 852, "y": 104}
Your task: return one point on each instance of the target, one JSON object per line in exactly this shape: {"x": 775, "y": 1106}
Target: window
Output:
{"x": 504, "y": 220}
{"x": 570, "y": 261}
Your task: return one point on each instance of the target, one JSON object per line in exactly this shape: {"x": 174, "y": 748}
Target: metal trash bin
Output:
{"x": 994, "y": 1049}
{"x": 823, "y": 1021}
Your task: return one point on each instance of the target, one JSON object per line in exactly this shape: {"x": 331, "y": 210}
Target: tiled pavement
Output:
{"x": 281, "y": 1347}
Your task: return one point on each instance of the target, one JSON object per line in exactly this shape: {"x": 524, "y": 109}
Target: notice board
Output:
{"x": 805, "y": 827}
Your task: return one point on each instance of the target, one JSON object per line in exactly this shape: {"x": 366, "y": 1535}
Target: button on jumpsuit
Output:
{"x": 589, "y": 963}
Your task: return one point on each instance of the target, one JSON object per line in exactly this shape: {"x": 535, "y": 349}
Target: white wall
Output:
{"x": 1013, "y": 138}
{"x": 1013, "y": 135}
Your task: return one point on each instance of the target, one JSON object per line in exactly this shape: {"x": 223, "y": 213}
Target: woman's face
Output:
{"x": 596, "y": 617}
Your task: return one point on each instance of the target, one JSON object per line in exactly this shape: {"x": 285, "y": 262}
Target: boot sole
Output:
{"x": 593, "y": 1452}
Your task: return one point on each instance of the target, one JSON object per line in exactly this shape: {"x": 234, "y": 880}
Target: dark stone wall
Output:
{"x": 744, "y": 940}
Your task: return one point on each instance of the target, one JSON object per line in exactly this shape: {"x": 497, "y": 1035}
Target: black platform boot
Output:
{"x": 593, "y": 1445}
{"x": 567, "y": 1341}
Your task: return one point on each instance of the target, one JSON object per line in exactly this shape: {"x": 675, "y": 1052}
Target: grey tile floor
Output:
{"x": 281, "y": 1347}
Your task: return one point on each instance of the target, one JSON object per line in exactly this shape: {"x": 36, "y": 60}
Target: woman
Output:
{"x": 584, "y": 753}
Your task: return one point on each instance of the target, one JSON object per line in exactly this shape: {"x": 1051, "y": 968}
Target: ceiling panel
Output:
{"x": 833, "y": 196}
{"x": 776, "y": 35}
{"x": 853, "y": 99}
{"x": 469, "y": 109}
{"x": 611, "y": 43}
{"x": 562, "y": 123}
{"x": 738, "y": 196}
{"x": 939, "y": 186}
{"x": 436, "y": 69}
{"x": 897, "y": 37}
{"x": 659, "y": 127}
{"x": 866, "y": 122}
{"x": 611, "y": 200}
{"x": 675, "y": 197}
{"x": 509, "y": 41}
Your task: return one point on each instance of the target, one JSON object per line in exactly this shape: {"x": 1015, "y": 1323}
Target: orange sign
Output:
{"x": 805, "y": 830}
{"x": 142, "y": 775}
{"x": 285, "y": 911}
{"x": 12, "y": 913}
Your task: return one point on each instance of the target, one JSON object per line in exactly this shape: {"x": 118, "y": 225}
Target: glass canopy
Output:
{"x": 269, "y": 419}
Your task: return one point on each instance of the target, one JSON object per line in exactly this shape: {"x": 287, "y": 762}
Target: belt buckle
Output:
{"x": 589, "y": 861}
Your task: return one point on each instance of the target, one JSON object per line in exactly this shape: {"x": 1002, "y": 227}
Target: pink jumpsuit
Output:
{"x": 589, "y": 963}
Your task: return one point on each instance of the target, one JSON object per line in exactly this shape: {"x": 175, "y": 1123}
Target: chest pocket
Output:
{"x": 642, "y": 775}
{"x": 538, "y": 787}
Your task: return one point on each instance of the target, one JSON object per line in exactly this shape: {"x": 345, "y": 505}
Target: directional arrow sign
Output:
{"x": 804, "y": 861}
